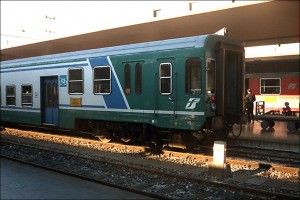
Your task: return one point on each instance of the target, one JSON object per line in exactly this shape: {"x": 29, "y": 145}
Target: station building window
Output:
{"x": 193, "y": 76}
{"x": 270, "y": 86}
{"x": 11, "y": 95}
{"x": 75, "y": 81}
{"x": 165, "y": 78}
{"x": 102, "y": 80}
{"x": 26, "y": 95}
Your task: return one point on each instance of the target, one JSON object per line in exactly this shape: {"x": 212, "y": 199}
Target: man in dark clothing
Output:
{"x": 250, "y": 98}
{"x": 287, "y": 109}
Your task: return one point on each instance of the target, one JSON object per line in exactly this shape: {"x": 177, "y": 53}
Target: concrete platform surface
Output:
{"x": 278, "y": 137}
{"x": 20, "y": 181}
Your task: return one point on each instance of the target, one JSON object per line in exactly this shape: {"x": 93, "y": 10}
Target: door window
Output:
{"x": 138, "y": 78}
{"x": 165, "y": 78}
{"x": 127, "y": 79}
{"x": 210, "y": 76}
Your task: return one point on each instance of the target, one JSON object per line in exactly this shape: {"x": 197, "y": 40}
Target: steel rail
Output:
{"x": 250, "y": 191}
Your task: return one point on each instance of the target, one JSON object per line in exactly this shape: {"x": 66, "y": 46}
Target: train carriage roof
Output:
{"x": 178, "y": 43}
{"x": 275, "y": 21}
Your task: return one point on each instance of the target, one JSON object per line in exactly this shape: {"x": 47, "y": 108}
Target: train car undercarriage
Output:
{"x": 148, "y": 134}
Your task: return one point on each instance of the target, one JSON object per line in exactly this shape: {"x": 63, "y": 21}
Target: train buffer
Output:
{"x": 268, "y": 118}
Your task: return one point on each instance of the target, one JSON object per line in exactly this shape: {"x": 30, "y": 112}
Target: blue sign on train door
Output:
{"x": 50, "y": 100}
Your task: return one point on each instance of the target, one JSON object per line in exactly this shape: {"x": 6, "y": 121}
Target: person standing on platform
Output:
{"x": 287, "y": 109}
{"x": 250, "y": 98}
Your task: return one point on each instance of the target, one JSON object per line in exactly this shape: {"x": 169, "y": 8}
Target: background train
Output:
{"x": 274, "y": 82}
{"x": 178, "y": 91}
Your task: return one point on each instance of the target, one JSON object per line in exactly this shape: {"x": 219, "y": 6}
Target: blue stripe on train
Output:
{"x": 42, "y": 68}
{"x": 115, "y": 98}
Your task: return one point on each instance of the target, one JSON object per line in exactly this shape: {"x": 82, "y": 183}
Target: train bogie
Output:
{"x": 177, "y": 90}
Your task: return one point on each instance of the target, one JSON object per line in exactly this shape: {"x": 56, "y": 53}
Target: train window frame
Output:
{"x": 162, "y": 79}
{"x": 271, "y": 88}
{"x": 138, "y": 78}
{"x": 127, "y": 78}
{"x": 95, "y": 90}
{"x": 11, "y": 96}
{"x": 26, "y": 94}
{"x": 210, "y": 82}
{"x": 71, "y": 82}
{"x": 189, "y": 80}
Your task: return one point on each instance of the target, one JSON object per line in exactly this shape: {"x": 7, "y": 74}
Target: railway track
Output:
{"x": 259, "y": 155}
{"x": 148, "y": 182}
{"x": 161, "y": 183}
{"x": 268, "y": 158}
{"x": 69, "y": 164}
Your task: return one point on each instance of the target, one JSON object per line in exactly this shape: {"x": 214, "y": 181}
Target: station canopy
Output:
{"x": 275, "y": 22}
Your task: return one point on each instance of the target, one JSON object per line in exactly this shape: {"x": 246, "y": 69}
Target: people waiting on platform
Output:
{"x": 250, "y": 98}
{"x": 287, "y": 110}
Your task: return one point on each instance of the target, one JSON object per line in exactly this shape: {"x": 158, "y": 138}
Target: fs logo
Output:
{"x": 292, "y": 86}
{"x": 192, "y": 103}
{"x": 63, "y": 81}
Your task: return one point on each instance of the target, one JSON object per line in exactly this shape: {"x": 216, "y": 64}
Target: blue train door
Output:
{"x": 49, "y": 100}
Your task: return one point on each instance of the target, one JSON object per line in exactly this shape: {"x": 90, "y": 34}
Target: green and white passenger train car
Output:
{"x": 180, "y": 89}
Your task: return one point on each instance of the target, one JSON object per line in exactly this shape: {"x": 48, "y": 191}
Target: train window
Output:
{"x": 26, "y": 95}
{"x": 138, "y": 78}
{"x": 165, "y": 78}
{"x": 193, "y": 76}
{"x": 270, "y": 86}
{"x": 76, "y": 81}
{"x": 102, "y": 80}
{"x": 210, "y": 76}
{"x": 10, "y": 95}
{"x": 127, "y": 79}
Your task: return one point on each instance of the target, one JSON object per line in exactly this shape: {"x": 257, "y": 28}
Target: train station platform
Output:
{"x": 276, "y": 138}
{"x": 21, "y": 181}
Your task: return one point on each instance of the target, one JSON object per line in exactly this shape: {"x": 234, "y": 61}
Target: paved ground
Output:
{"x": 20, "y": 181}
{"x": 278, "y": 133}
{"x": 278, "y": 137}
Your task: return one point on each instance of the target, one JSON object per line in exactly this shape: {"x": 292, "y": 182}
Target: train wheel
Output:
{"x": 291, "y": 126}
{"x": 225, "y": 132}
{"x": 220, "y": 134}
{"x": 264, "y": 124}
{"x": 104, "y": 139}
{"x": 271, "y": 123}
{"x": 126, "y": 139}
{"x": 104, "y": 136}
{"x": 129, "y": 136}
